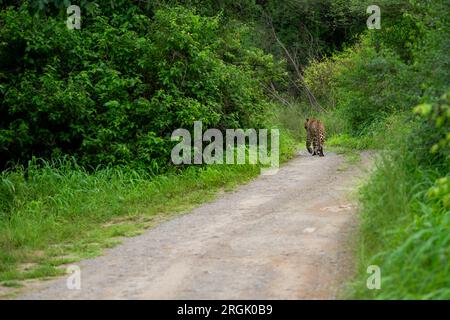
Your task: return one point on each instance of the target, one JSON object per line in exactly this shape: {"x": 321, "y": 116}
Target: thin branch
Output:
{"x": 274, "y": 93}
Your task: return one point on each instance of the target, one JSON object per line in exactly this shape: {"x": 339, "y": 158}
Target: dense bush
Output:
{"x": 377, "y": 94}
{"x": 112, "y": 92}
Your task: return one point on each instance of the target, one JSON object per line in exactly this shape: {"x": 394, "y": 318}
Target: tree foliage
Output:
{"x": 112, "y": 92}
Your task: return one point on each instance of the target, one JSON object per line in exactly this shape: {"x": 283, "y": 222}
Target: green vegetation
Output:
{"x": 86, "y": 117}
{"x": 405, "y": 220}
{"x": 373, "y": 87}
{"x": 369, "y": 91}
{"x": 113, "y": 92}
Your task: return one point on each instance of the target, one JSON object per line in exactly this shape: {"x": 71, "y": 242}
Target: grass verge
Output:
{"x": 402, "y": 229}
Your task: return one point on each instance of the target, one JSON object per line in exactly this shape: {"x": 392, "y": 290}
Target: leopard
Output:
{"x": 315, "y": 135}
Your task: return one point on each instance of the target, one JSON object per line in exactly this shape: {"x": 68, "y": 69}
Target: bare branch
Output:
{"x": 312, "y": 99}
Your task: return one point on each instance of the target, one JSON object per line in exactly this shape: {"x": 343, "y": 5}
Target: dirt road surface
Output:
{"x": 282, "y": 236}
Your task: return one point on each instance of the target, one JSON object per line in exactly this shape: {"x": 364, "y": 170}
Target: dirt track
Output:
{"x": 283, "y": 236}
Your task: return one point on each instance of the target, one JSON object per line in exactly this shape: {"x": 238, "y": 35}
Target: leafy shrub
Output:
{"x": 438, "y": 118}
{"x": 112, "y": 92}
{"x": 376, "y": 95}
{"x": 319, "y": 76}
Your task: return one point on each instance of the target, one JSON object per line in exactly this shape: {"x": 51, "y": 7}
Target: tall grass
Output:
{"x": 403, "y": 231}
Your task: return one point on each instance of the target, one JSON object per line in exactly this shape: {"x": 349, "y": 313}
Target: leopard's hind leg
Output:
{"x": 308, "y": 142}
{"x": 315, "y": 143}
{"x": 321, "y": 142}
